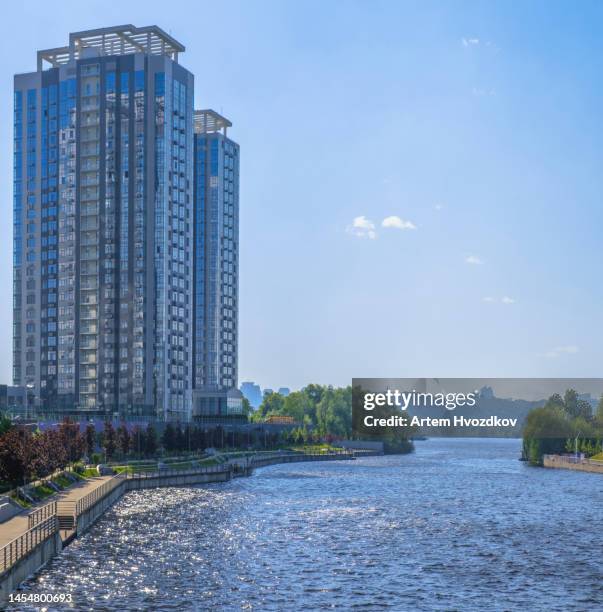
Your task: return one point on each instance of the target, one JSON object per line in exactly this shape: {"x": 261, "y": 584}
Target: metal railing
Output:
{"x": 210, "y": 469}
{"x": 573, "y": 459}
{"x": 27, "y": 542}
{"x": 41, "y": 514}
{"x": 300, "y": 454}
{"x": 89, "y": 500}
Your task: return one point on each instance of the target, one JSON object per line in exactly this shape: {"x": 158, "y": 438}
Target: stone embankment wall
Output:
{"x": 570, "y": 463}
{"x": 28, "y": 565}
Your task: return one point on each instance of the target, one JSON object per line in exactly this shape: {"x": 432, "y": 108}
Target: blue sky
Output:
{"x": 476, "y": 124}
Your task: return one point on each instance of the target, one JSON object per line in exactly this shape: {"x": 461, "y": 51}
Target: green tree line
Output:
{"x": 556, "y": 427}
{"x": 325, "y": 410}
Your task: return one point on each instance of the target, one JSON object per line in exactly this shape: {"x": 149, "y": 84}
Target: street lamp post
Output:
{"x": 576, "y": 444}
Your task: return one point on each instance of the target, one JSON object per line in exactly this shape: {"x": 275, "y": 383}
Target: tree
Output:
{"x": 137, "y": 440}
{"x": 570, "y": 402}
{"x": 16, "y": 454}
{"x": 295, "y": 405}
{"x": 150, "y": 441}
{"x": 334, "y": 413}
{"x": 271, "y": 404}
{"x": 599, "y": 413}
{"x": 545, "y": 431}
{"x": 314, "y": 392}
{"x": 247, "y": 408}
{"x": 90, "y": 436}
{"x": 168, "y": 438}
{"x": 187, "y": 437}
{"x": 5, "y": 424}
{"x": 109, "y": 440}
{"x": 50, "y": 452}
{"x": 219, "y": 437}
{"x": 123, "y": 439}
{"x": 71, "y": 438}
{"x": 181, "y": 442}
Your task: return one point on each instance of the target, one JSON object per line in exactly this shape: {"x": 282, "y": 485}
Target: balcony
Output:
{"x": 88, "y": 359}
{"x": 90, "y": 134}
{"x": 89, "y": 223}
{"x": 87, "y": 372}
{"x": 89, "y": 164}
{"x": 88, "y": 254}
{"x": 89, "y": 284}
{"x": 88, "y": 313}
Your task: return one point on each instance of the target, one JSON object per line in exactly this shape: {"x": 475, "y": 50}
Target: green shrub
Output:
{"x": 62, "y": 481}
{"x": 43, "y": 491}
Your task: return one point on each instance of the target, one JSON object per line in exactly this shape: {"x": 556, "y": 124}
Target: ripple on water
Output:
{"x": 458, "y": 525}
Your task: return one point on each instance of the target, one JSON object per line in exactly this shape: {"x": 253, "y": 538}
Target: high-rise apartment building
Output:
{"x": 216, "y": 254}
{"x": 103, "y": 227}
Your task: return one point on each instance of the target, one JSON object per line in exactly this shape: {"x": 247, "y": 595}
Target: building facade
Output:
{"x": 216, "y": 254}
{"x": 252, "y": 392}
{"x": 103, "y": 226}
{"x": 17, "y": 401}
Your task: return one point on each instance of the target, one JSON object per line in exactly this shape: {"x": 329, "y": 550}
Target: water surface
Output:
{"x": 458, "y": 525}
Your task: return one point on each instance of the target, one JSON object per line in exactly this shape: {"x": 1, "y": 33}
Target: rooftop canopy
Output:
{"x": 118, "y": 40}
{"x": 208, "y": 121}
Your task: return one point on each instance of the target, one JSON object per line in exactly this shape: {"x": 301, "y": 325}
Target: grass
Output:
{"x": 598, "y": 457}
{"x": 90, "y": 473}
{"x": 151, "y": 466}
{"x": 43, "y": 491}
{"x": 21, "y": 502}
{"x": 315, "y": 448}
{"x": 209, "y": 461}
{"x": 120, "y": 469}
{"x": 62, "y": 481}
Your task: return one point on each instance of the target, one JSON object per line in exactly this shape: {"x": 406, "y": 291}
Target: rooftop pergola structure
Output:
{"x": 118, "y": 40}
{"x": 208, "y": 121}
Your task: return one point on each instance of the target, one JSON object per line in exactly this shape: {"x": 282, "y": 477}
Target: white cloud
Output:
{"x": 473, "y": 260}
{"x": 362, "y": 228}
{"x": 561, "y": 350}
{"x": 503, "y": 300}
{"x": 398, "y": 223}
{"x": 470, "y": 42}
{"x": 480, "y": 92}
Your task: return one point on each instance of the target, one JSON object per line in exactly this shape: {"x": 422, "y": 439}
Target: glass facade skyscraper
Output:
{"x": 216, "y": 254}
{"x": 103, "y": 226}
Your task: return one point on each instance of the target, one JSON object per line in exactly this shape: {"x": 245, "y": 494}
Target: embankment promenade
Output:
{"x": 31, "y": 539}
{"x": 572, "y": 463}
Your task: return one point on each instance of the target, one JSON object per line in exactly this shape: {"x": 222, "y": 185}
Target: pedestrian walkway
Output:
{"x": 18, "y": 525}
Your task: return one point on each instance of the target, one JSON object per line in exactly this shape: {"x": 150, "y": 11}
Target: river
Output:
{"x": 458, "y": 525}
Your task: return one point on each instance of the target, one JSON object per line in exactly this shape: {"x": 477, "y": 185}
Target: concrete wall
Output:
{"x": 176, "y": 480}
{"x": 556, "y": 461}
{"x": 29, "y": 565}
{"x": 369, "y": 445}
{"x": 265, "y": 461}
{"x": 90, "y": 516}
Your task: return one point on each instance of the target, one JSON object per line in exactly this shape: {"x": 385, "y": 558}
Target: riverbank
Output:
{"x": 44, "y": 532}
{"x": 562, "y": 462}
{"x": 458, "y": 525}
